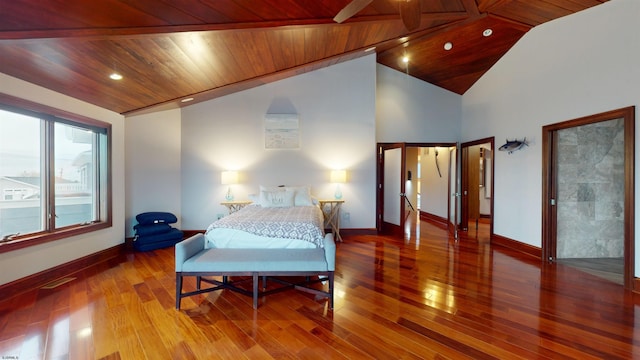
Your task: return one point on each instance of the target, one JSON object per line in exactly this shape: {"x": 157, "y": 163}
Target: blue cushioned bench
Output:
{"x": 193, "y": 259}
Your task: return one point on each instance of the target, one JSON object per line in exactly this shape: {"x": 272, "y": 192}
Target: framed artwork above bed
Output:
{"x": 281, "y": 131}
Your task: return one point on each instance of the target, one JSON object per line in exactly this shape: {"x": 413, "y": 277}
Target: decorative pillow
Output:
{"x": 272, "y": 188}
{"x": 277, "y": 198}
{"x": 303, "y": 195}
{"x": 254, "y": 198}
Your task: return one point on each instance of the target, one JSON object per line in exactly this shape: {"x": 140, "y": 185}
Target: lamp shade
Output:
{"x": 229, "y": 177}
{"x": 338, "y": 176}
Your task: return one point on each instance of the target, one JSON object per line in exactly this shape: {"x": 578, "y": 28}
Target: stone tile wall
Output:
{"x": 590, "y": 196}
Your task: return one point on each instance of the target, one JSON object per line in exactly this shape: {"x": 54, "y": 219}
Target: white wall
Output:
{"x": 484, "y": 201}
{"x": 411, "y": 110}
{"x": 336, "y": 110}
{"x": 578, "y": 65}
{"x": 411, "y": 186}
{"x": 24, "y": 262}
{"x": 435, "y": 188}
{"x": 152, "y": 165}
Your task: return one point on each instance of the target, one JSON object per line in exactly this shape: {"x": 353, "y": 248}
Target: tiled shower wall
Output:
{"x": 590, "y": 200}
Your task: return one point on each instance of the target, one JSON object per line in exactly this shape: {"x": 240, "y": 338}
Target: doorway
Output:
{"x": 588, "y": 191}
{"x": 415, "y": 180}
{"x": 477, "y": 161}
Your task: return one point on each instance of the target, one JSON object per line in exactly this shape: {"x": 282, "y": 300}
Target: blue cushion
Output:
{"x": 159, "y": 228}
{"x": 158, "y": 241}
{"x": 155, "y": 217}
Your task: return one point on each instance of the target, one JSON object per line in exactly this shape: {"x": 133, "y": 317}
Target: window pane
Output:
{"x": 103, "y": 177}
{"x": 21, "y": 203}
{"x": 51, "y": 162}
{"x": 74, "y": 159}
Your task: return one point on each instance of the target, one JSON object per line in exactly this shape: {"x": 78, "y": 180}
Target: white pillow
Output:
{"x": 271, "y": 188}
{"x": 277, "y": 198}
{"x": 303, "y": 195}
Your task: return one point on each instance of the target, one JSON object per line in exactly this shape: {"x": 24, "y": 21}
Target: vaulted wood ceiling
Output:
{"x": 168, "y": 50}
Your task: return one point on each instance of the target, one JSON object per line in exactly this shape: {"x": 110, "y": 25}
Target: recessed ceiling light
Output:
{"x": 448, "y": 46}
{"x": 405, "y": 59}
{"x": 186, "y": 100}
{"x": 370, "y": 49}
{"x": 115, "y": 76}
{"x": 487, "y": 32}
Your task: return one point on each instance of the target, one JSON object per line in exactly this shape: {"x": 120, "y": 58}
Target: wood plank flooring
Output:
{"x": 611, "y": 269}
{"x": 424, "y": 296}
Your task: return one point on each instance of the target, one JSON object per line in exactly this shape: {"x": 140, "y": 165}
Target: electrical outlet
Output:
{"x": 346, "y": 216}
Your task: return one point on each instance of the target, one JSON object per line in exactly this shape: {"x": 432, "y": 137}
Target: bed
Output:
{"x": 281, "y": 218}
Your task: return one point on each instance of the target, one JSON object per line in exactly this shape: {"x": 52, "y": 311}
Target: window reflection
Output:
{"x": 21, "y": 203}
{"x": 74, "y": 179}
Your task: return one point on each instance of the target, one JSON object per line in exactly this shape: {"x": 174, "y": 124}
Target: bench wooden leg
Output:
{"x": 178, "y": 290}
{"x": 255, "y": 290}
{"x": 255, "y": 294}
{"x": 331, "y": 289}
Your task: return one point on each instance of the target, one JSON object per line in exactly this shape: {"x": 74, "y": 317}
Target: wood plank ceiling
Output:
{"x": 169, "y": 50}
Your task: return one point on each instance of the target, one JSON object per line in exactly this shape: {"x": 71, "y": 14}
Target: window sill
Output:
{"x": 45, "y": 237}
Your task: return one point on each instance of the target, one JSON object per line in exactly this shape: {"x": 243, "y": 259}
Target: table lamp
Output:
{"x": 338, "y": 176}
{"x": 229, "y": 178}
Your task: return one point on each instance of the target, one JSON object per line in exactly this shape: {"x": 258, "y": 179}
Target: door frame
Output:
{"x": 454, "y": 196}
{"x": 464, "y": 181}
{"x": 381, "y": 226}
{"x": 549, "y": 185}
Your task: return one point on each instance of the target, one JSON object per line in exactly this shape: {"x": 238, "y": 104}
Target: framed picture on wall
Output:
{"x": 281, "y": 131}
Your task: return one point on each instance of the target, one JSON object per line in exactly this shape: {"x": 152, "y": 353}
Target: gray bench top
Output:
{"x": 192, "y": 256}
{"x": 261, "y": 260}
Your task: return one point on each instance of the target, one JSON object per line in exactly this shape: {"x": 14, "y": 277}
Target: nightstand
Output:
{"x": 234, "y": 206}
{"x": 331, "y": 210}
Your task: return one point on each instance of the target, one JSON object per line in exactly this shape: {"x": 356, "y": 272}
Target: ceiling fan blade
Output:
{"x": 410, "y": 13}
{"x": 351, "y": 9}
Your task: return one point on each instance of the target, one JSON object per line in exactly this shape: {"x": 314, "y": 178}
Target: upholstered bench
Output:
{"x": 193, "y": 259}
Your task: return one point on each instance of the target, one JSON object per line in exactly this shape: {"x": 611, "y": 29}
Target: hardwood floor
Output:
{"x": 611, "y": 269}
{"x": 425, "y": 296}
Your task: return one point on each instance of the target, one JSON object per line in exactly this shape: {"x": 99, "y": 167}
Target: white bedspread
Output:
{"x": 257, "y": 227}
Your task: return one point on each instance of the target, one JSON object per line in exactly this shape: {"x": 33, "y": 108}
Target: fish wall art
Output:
{"x": 513, "y": 145}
